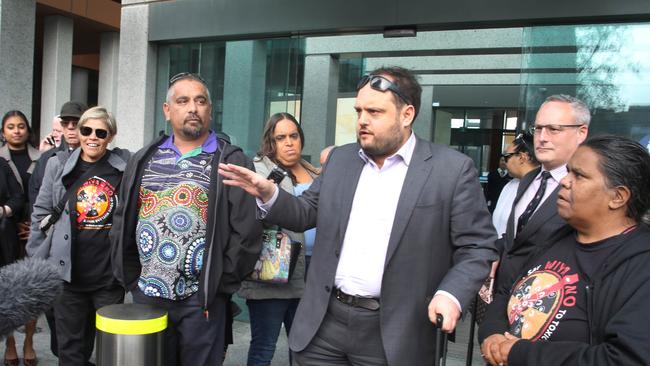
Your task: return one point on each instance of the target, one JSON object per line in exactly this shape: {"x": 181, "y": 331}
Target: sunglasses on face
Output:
{"x": 185, "y": 75}
{"x": 65, "y": 122}
{"x": 99, "y": 132}
{"x": 380, "y": 83}
{"x": 507, "y": 156}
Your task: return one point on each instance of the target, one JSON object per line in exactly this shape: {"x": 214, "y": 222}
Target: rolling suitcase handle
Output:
{"x": 441, "y": 342}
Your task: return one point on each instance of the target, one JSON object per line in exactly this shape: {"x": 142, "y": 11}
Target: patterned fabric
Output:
{"x": 173, "y": 211}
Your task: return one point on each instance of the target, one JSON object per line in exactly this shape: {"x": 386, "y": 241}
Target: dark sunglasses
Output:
{"x": 382, "y": 84}
{"x": 99, "y": 132}
{"x": 67, "y": 121}
{"x": 507, "y": 156}
{"x": 185, "y": 75}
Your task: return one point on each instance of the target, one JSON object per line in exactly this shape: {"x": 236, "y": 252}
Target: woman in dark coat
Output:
{"x": 11, "y": 204}
{"x": 21, "y": 158}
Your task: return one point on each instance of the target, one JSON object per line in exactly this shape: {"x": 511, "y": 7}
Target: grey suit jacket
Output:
{"x": 442, "y": 239}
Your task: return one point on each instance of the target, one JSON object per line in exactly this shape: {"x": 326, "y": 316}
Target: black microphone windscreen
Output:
{"x": 27, "y": 288}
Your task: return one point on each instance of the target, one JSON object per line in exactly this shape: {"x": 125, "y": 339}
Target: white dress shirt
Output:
{"x": 556, "y": 175}
{"x": 504, "y": 206}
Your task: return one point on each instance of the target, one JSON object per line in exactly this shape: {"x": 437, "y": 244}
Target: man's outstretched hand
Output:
{"x": 248, "y": 180}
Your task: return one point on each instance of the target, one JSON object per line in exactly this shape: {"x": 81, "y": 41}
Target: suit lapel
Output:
{"x": 545, "y": 212}
{"x": 347, "y": 188}
{"x": 416, "y": 177}
{"x": 526, "y": 181}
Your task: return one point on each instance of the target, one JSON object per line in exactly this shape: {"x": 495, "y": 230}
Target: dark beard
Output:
{"x": 192, "y": 132}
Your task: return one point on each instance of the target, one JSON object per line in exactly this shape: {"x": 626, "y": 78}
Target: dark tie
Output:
{"x": 525, "y": 216}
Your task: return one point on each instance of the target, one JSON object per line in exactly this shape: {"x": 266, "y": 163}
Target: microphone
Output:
{"x": 27, "y": 288}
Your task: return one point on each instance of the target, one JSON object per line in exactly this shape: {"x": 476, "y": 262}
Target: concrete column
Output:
{"x": 442, "y": 128}
{"x": 423, "y": 124}
{"x": 79, "y": 85}
{"x": 244, "y": 93}
{"x": 17, "y": 18}
{"x": 136, "y": 79}
{"x": 320, "y": 91}
{"x": 108, "y": 70}
{"x": 57, "y": 66}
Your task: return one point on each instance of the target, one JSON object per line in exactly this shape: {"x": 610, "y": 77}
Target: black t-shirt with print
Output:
{"x": 91, "y": 217}
{"x": 549, "y": 302}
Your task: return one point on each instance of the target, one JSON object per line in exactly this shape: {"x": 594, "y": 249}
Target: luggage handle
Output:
{"x": 441, "y": 342}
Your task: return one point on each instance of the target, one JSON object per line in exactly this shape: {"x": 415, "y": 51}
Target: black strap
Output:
{"x": 56, "y": 210}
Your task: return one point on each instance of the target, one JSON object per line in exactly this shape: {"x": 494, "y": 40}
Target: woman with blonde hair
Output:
{"x": 71, "y": 220}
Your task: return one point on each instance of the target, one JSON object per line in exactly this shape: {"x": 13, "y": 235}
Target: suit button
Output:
{"x": 327, "y": 288}
{"x": 337, "y": 253}
{"x": 62, "y": 263}
{"x": 67, "y": 212}
{"x": 65, "y": 236}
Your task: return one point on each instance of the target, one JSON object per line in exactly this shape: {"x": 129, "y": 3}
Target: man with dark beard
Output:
{"x": 403, "y": 234}
{"x": 183, "y": 241}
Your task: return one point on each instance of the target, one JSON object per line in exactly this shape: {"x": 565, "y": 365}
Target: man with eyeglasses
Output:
{"x": 560, "y": 126}
{"x": 182, "y": 240}
{"x": 403, "y": 235}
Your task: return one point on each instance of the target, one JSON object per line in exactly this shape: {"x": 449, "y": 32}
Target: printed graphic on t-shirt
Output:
{"x": 541, "y": 299}
{"x": 96, "y": 201}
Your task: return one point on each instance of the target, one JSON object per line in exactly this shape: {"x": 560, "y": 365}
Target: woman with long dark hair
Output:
{"x": 271, "y": 305}
{"x": 582, "y": 299}
{"x": 21, "y": 158}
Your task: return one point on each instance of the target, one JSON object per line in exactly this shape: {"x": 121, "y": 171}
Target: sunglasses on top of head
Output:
{"x": 380, "y": 83}
{"x": 99, "y": 132}
{"x": 185, "y": 75}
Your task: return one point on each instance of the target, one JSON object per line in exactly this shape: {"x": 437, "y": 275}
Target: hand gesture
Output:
{"x": 246, "y": 179}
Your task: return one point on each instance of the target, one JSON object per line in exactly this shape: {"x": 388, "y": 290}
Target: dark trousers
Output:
{"x": 74, "y": 313}
{"x": 190, "y": 338}
{"x": 266, "y": 318}
{"x": 347, "y": 336}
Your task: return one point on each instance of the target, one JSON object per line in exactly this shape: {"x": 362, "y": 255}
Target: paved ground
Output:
{"x": 237, "y": 353}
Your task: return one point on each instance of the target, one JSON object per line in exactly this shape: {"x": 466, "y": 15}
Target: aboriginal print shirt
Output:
{"x": 173, "y": 209}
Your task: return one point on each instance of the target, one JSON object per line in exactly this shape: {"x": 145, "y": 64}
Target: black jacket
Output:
{"x": 233, "y": 233}
{"x": 617, "y": 314}
{"x": 38, "y": 174}
{"x": 11, "y": 195}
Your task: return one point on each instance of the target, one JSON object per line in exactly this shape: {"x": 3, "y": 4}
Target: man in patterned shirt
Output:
{"x": 182, "y": 240}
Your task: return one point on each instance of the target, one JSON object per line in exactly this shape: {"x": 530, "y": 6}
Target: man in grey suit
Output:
{"x": 403, "y": 234}
{"x": 561, "y": 124}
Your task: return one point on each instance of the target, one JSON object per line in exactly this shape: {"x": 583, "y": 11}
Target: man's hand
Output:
{"x": 441, "y": 304}
{"x": 47, "y": 143}
{"x": 23, "y": 230}
{"x": 246, "y": 179}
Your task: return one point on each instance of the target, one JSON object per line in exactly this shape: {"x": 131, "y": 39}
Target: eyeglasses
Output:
{"x": 552, "y": 129}
{"x": 185, "y": 75}
{"x": 99, "y": 132}
{"x": 69, "y": 121}
{"x": 382, "y": 84}
{"x": 507, "y": 156}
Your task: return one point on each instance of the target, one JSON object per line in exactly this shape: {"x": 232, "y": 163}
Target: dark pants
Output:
{"x": 347, "y": 336}
{"x": 74, "y": 313}
{"x": 190, "y": 338}
{"x": 266, "y": 318}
